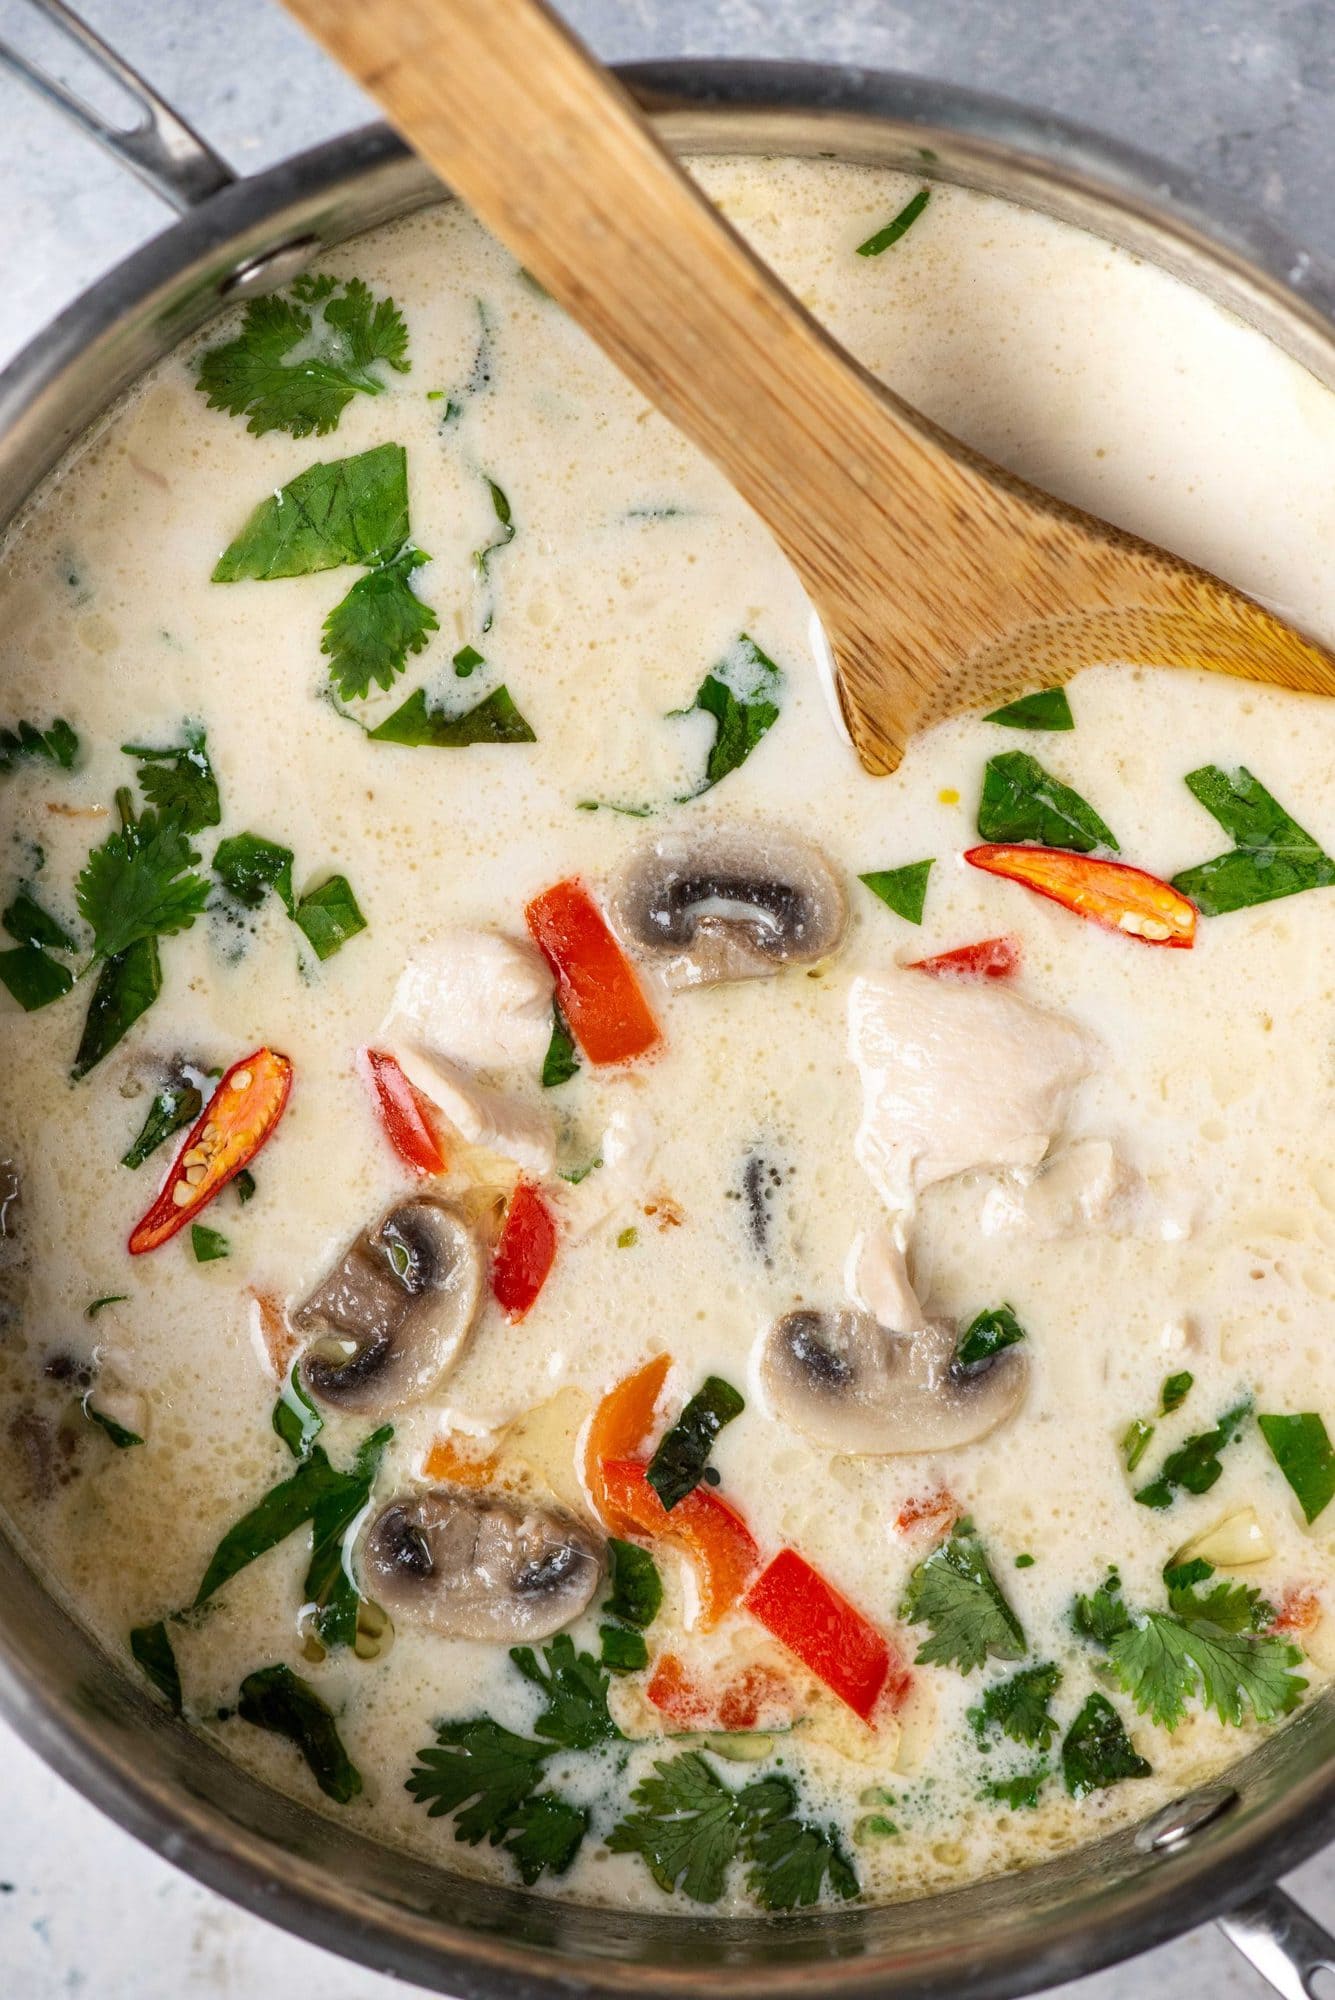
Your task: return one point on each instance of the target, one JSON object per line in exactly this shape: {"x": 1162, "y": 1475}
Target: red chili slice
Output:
{"x": 991, "y": 958}
{"x": 596, "y": 986}
{"x": 1122, "y": 899}
{"x": 828, "y": 1634}
{"x": 526, "y": 1251}
{"x": 241, "y": 1114}
{"x": 405, "y": 1115}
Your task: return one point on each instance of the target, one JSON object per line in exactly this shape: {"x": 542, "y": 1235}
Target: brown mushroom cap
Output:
{"x": 847, "y": 1382}
{"x": 738, "y": 902}
{"x": 392, "y": 1316}
{"x": 471, "y": 1566}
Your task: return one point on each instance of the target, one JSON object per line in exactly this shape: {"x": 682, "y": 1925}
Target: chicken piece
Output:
{"x": 627, "y": 1148}
{"x": 480, "y": 1114}
{"x": 1084, "y": 1186}
{"x": 954, "y": 1077}
{"x": 877, "y": 1278}
{"x": 476, "y": 998}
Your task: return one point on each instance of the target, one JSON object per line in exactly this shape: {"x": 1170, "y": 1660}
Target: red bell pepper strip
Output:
{"x": 596, "y": 986}
{"x": 756, "y": 1690}
{"x": 1299, "y": 1610}
{"x": 404, "y": 1115}
{"x": 526, "y": 1252}
{"x": 937, "y": 1511}
{"x": 618, "y": 1427}
{"x": 1107, "y": 892}
{"x": 992, "y": 958}
{"x": 241, "y": 1114}
{"x": 828, "y": 1634}
{"x": 717, "y": 1539}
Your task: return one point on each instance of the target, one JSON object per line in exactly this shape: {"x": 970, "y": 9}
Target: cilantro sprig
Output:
{"x": 1195, "y": 1465}
{"x": 299, "y": 360}
{"x": 954, "y": 1591}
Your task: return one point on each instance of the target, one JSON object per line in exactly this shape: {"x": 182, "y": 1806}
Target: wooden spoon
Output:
{"x": 943, "y": 583}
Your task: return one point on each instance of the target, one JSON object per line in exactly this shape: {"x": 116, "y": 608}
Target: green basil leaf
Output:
{"x": 623, "y": 1651}
{"x": 33, "y": 977}
{"x": 276, "y": 1699}
{"x": 348, "y": 510}
{"x": 1022, "y": 801}
{"x": 561, "y": 1061}
{"x": 882, "y": 239}
{"x": 495, "y": 719}
{"x": 175, "y": 1106}
{"x": 1273, "y": 855}
{"x": 152, "y": 1651}
{"x": 637, "y": 1587}
{"x": 903, "y": 890}
{"x": 678, "y": 1465}
{"x": 329, "y": 916}
{"x": 121, "y": 1436}
{"x": 208, "y": 1244}
{"x": 1301, "y": 1449}
{"x": 26, "y": 920}
{"x": 987, "y": 1335}
{"x": 248, "y": 866}
{"x": 742, "y": 694}
{"x": 1049, "y": 708}
{"x": 127, "y": 986}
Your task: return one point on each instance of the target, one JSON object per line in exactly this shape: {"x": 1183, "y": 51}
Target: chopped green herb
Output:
{"x": 466, "y": 661}
{"x": 207, "y": 1244}
{"x": 295, "y": 1418}
{"x": 345, "y": 510}
{"x": 1273, "y": 856}
{"x": 1022, "y": 801}
{"x": 623, "y": 1651}
{"x": 92, "y": 1310}
{"x": 1174, "y": 1393}
{"x": 288, "y": 371}
{"x": 500, "y": 507}
{"x": 903, "y": 890}
{"x": 789, "y": 1862}
{"x": 1019, "y": 1790}
{"x": 370, "y": 633}
{"x": 575, "y": 1686}
{"x": 1048, "y": 709}
{"x": 1163, "y": 1660}
{"x": 248, "y": 867}
{"x": 26, "y": 920}
{"x": 1018, "y": 1707}
{"x": 883, "y": 238}
{"x": 987, "y": 1336}
{"x": 1102, "y": 1615}
{"x": 1226, "y": 1607}
{"x": 1301, "y": 1449}
{"x": 340, "y": 1611}
{"x": 637, "y": 1587}
{"x": 574, "y": 1175}
{"x": 1097, "y": 1752}
{"x": 545, "y": 1833}
{"x": 121, "y": 1436}
{"x": 57, "y": 745}
{"x": 243, "y": 1186}
{"x": 686, "y": 1829}
{"x": 1025, "y": 1561}
{"x": 955, "y": 1592}
{"x": 488, "y": 1777}
{"x": 138, "y": 886}
{"x": 627, "y": 1239}
{"x": 611, "y": 806}
{"x": 678, "y": 1464}
{"x": 151, "y": 1648}
{"x": 494, "y": 719}
{"x": 175, "y": 1106}
{"x": 179, "y": 781}
{"x": 329, "y": 916}
{"x": 1194, "y": 1466}
{"x": 561, "y": 1061}
{"x": 32, "y": 977}
{"x": 742, "y": 694}
{"x": 127, "y": 986}
{"x": 1136, "y": 1442}
{"x": 276, "y": 1699}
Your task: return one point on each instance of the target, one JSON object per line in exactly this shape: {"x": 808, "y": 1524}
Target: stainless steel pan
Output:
{"x": 1218, "y": 1850}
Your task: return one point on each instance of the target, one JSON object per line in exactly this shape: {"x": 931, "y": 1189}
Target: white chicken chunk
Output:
{"x": 626, "y": 1151}
{"x": 1084, "y": 1186}
{"x": 955, "y": 1076}
{"x": 495, "y": 1119}
{"x": 877, "y": 1278}
{"x": 477, "y": 998}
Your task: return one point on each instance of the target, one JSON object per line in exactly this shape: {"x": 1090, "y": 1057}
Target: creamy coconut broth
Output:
{"x": 811, "y": 1194}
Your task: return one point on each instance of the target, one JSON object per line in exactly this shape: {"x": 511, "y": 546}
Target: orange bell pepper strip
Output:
{"x": 716, "y": 1539}
{"x": 405, "y": 1115}
{"x": 1107, "y": 892}
{"x": 241, "y": 1114}
{"x": 449, "y": 1461}
{"x": 599, "y": 995}
{"x": 992, "y": 958}
{"x": 828, "y": 1634}
{"x": 739, "y": 1704}
{"x": 525, "y": 1253}
{"x": 618, "y": 1427}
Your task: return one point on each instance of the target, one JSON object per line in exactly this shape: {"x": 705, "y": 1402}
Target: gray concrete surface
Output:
{"x": 1240, "y": 91}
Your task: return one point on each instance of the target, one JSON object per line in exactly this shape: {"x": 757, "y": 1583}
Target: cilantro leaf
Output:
{"x": 686, "y": 1830}
{"x": 1301, "y": 1449}
{"x": 1194, "y": 1466}
{"x": 1226, "y": 1606}
{"x": 175, "y": 1106}
{"x": 179, "y": 781}
{"x": 789, "y": 1861}
{"x": 57, "y": 745}
{"x": 494, "y": 719}
{"x": 127, "y": 986}
{"x": 637, "y": 1587}
{"x": 903, "y": 890}
{"x": 1049, "y": 708}
{"x": 955, "y": 1592}
{"x": 26, "y": 920}
{"x": 882, "y": 239}
{"x": 1020, "y": 1789}
{"x": 1097, "y": 1752}
{"x": 544, "y": 1833}
{"x": 369, "y": 633}
{"x": 742, "y": 694}
{"x": 344, "y": 510}
{"x": 1273, "y": 856}
{"x": 575, "y": 1686}
{"x": 137, "y": 885}
{"x": 480, "y": 1762}
{"x": 987, "y": 1335}
{"x": 276, "y": 1699}
{"x": 151, "y": 1648}
{"x": 678, "y": 1464}
{"x": 1022, "y": 801}
{"x": 561, "y": 1061}
{"x": 248, "y": 867}
{"x": 1018, "y": 1707}
{"x": 32, "y": 977}
{"x": 260, "y": 373}
{"x": 1164, "y": 1660}
{"x": 329, "y": 916}
{"x": 1102, "y": 1615}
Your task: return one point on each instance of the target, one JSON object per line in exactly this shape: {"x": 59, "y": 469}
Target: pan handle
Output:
{"x": 1286, "y": 1946}
{"x": 160, "y": 147}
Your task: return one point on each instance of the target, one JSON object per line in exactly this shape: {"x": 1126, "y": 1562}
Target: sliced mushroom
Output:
{"x": 470, "y": 1566}
{"x": 851, "y": 1385}
{"x": 393, "y": 1315}
{"x": 733, "y": 903}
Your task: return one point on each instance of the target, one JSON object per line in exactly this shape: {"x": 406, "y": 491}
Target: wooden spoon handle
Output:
{"x": 553, "y": 155}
